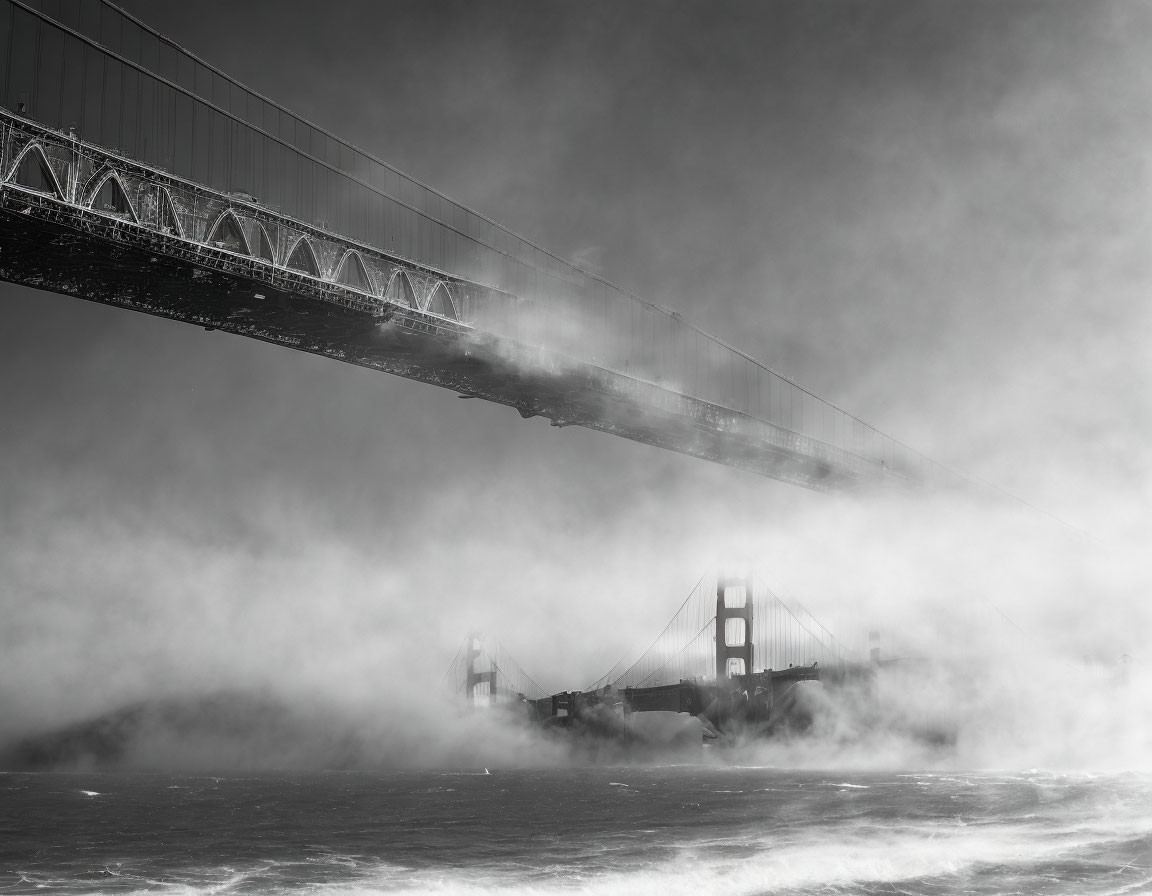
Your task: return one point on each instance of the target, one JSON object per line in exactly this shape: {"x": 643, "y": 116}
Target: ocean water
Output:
{"x": 668, "y": 830}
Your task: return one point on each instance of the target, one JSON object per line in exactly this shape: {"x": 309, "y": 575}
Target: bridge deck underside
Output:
{"x": 55, "y": 257}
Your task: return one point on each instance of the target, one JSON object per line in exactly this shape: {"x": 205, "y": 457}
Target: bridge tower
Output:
{"x": 733, "y": 626}
{"x": 473, "y": 678}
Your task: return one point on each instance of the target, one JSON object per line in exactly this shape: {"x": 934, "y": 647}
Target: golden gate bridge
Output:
{"x": 134, "y": 174}
{"x": 733, "y": 654}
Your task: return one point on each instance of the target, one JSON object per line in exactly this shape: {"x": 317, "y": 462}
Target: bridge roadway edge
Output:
{"x": 48, "y": 255}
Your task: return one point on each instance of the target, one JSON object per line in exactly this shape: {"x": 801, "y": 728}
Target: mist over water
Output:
{"x": 1023, "y": 641}
{"x": 944, "y": 232}
{"x": 232, "y": 577}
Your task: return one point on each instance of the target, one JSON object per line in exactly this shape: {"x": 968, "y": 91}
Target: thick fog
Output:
{"x": 934, "y": 215}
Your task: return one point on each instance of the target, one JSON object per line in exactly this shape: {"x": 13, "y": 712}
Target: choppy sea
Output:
{"x": 667, "y": 830}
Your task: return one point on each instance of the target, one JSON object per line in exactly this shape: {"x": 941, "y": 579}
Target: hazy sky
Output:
{"x": 935, "y": 215}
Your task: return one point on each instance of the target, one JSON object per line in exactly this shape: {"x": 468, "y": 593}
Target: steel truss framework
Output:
{"x": 122, "y": 200}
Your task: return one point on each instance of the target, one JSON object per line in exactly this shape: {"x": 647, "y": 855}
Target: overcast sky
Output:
{"x": 935, "y": 215}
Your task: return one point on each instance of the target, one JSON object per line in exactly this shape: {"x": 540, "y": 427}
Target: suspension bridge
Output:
{"x": 134, "y": 174}
{"x": 732, "y": 655}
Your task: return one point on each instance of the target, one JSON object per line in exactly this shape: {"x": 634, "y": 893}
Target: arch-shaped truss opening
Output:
{"x": 167, "y": 218}
{"x": 400, "y": 291}
{"x": 265, "y": 250}
{"x": 303, "y": 259}
{"x": 33, "y": 171}
{"x": 107, "y": 195}
{"x": 440, "y": 302}
{"x": 228, "y": 234}
{"x": 352, "y": 273}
